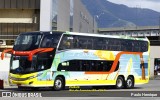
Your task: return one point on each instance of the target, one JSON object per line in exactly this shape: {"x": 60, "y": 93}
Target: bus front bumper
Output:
{"x": 31, "y": 83}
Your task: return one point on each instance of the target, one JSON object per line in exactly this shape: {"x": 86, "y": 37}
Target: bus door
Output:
{"x": 45, "y": 59}
{"x": 44, "y": 62}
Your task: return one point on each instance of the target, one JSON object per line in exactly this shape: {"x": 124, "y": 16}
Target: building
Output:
{"x": 151, "y": 32}
{"x": 18, "y": 16}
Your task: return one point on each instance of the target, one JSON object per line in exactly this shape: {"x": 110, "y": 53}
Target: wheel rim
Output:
{"x": 129, "y": 82}
{"x": 58, "y": 84}
{"x": 119, "y": 83}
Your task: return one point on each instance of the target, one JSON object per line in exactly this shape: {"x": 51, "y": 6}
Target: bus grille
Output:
{"x": 19, "y": 79}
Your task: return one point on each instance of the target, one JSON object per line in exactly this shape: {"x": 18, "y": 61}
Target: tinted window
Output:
{"x": 85, "y": 42}
{"x": 28, "y": 42}
{"x": 50, "y": 41}
{"x": 100, "y": 43}
{"x": 86, "y": 65}
{"x": 66, "y": 42}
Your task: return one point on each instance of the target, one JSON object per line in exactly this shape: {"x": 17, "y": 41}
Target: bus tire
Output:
{"x": 120, "y": 82}
{"x": 58, "y": 84}
{"x": 129, "y": 82}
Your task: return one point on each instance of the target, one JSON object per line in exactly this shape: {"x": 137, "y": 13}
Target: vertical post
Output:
{"x": 159, "y": 30}
{"x": 143, "y": 69}
{"x": 93, "y": 23}
{"x": 159, "y": 24}
{"x": 46, "y": 15}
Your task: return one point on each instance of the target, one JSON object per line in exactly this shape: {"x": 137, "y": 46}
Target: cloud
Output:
{"x": 150, "y": 4}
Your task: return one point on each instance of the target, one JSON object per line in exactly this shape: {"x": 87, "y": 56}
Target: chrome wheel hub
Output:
{"x": 58, "y": 84}
{"x": 129, "y": 82}
{"x": 119, "y": 82}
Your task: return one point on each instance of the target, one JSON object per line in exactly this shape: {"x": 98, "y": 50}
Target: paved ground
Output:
{"x": 153, "y": 85}
{"x": 152, "y": 89}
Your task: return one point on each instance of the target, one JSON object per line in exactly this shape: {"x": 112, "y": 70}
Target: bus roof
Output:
{"x": 109, "y": 36}
{"x": 87, "y": 34}
{"x": 41, "y": 32}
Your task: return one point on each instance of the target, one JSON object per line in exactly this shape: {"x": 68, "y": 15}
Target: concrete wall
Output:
{"x": 154, "y": 53}
{"x": 16, "y": 15}
{"x": 46, "y": 15}
{"x": 20, "y": 4}
{"x": 82, "y": 20}
{"x": 63, "y": 19}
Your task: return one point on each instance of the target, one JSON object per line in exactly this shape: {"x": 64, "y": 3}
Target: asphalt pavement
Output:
{"x": 140, "y": 92}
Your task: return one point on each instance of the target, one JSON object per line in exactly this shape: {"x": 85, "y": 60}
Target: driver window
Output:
{"x": 66, "y": 42}
{"x": 50, "y": 41}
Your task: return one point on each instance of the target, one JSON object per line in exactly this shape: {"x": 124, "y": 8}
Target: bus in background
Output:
{"x": 59, "y": 59}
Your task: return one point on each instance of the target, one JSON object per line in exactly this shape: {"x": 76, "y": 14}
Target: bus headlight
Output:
{"x": 31, "y": 77}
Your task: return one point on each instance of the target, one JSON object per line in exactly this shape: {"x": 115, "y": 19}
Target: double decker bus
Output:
{"x": 59, "y": 59}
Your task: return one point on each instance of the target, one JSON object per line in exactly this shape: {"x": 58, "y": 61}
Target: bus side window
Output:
{"x": 66, "y": 42}
{"x": 129, "y": 45}
{"x": 90, "y": 44}
{"x": 86, "y": 65}
{"x": 118, "y": 45}
{"x": 124, "y": 46}
{"x": 50, "y": 41}
{"x": 76, "y": 43}
{"x": 85, "y": 43}
{"x": 82, "y": 43}
{"x": 98, "y": 42}
{"x": 143, "y": 46}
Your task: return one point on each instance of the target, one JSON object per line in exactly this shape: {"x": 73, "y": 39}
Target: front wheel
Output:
{"x": 120, "y": 83}
{"x": 58, "y": 84}
{"x": 129, "y": 82}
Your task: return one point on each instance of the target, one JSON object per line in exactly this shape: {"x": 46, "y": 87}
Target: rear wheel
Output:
{"x": 58, "y": 84}
{"x": 120, "y": 82}
{"x": 129, "y": 82}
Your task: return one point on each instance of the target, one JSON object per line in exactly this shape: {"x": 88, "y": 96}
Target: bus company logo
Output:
{"x": 6, "y": 94}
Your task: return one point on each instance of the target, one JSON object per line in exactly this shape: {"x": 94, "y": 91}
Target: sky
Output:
{"x": 150, "y": 4}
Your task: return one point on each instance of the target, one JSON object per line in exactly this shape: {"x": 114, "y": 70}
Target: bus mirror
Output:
{"x": 145, "y": 65}
{"x": 5, "y": 51}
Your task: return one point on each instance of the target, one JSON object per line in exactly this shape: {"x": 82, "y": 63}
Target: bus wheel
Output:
{"x": 58, "y": 84}
{"x": 120, "y": 82}
{"x": 130, "y": 82}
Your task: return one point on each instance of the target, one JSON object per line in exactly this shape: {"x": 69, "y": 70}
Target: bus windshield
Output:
{"x": 27, "y": 42}
{"x": 40, "y": 61}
